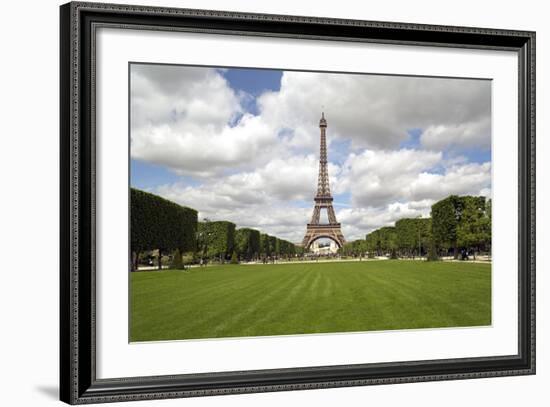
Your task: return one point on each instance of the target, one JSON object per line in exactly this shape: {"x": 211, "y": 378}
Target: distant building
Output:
{"x": 324, "y": 248}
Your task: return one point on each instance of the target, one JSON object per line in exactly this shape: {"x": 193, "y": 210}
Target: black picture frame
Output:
{"x": 78, "y": 382}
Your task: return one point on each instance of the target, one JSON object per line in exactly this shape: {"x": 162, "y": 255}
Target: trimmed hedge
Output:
{"x": 247, "y": 243}
{"x": 271, "y": 245}
{"x": 216, "y": 239}
{"x": 157, "y": 223}
{"x": 272, "y": 242}
{"x": 264, "y": 244}
{"x": 382, "y": 241}
{"x": 388, "y": 239}
{"x": 285, "y": 248}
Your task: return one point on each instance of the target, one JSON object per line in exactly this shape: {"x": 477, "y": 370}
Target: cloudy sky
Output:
{"x": 243, "y": 144}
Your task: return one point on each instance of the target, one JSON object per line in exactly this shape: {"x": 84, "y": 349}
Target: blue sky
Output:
{"x": 236, "y": 144}
{"x": 254, "y": 82}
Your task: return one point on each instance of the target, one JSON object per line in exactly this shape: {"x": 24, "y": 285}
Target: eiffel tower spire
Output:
{"x": 323, "y": 200}
{"x": 323, "y": 186}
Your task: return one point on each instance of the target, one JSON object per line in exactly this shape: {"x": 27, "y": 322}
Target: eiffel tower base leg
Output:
{"x": 329, "y": 231}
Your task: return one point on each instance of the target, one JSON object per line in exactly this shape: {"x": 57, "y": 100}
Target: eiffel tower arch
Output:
{"x": 323, "y": 201}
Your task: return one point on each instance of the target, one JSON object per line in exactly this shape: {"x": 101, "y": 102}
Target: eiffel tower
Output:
{"x": 323, "y": 200}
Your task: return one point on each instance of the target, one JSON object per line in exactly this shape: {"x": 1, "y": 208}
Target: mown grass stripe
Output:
{"x": 259, "y": 300}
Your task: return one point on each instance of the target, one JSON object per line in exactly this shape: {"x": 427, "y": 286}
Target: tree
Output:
{"x": 405, "y": 230}
{"x": 216, "y": 239}
{"x": 264, "y": 245}
{"x": 285, "y": 248}
{"x": 272, "y": 244}
{"x": 347, "y": 249}
{"x": 489, "y": 212}
{"x": 382, "y": 241}
{"x": 388, "y": 240}
{"x": 159, "y": 224}
{"x": 177, "y": 261}
{"x": 413, "y": 235}
{"x": 278, "y": 246}
{"x": 247, "y": 243}
{"x": 445, "y": 218}
{"x": 354, "y": 248}
{"x": 234, "y": 258}
{"x": 432, "y": 252}
{"x": 461, "y": 222}
{"x": 372, "y": 243}
{"x": 474, "y": 228}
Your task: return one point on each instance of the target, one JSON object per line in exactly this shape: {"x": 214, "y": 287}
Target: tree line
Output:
{"x": 457, "y": 225}
{"x": 221, "y": 240}
{"x": 157, "y": 224}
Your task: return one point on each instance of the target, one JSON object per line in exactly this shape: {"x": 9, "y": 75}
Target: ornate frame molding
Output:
{"x": 78, "y": 382}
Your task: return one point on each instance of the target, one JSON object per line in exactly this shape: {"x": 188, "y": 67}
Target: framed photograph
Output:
{"x": 254, "y": 203}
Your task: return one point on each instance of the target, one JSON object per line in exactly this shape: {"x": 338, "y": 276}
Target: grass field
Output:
{"x": 258, "y": 300}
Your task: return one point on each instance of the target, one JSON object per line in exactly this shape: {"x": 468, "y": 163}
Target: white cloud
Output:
{"x": 180, "y": 119}
{"x": 182, "y": 116}
{"x": 245, "y": 208}
{"x": 377, "y": 178}
{"x": 385, "y": 186}
{"x": 261, "y": 171}
{"x": 280, "y": 180}
{"x": 467, "y": 179}
{"x": 357, "y": 222}
{"x": 471, "y": 134}
{"x": 377, "y": 111}
{"x": 207, "y": 152}
{"x": 182, "y": 97}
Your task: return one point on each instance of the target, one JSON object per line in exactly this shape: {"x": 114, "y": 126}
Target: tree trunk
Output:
{"x": 160, "y": 259}
{"x": 135, "y": 261}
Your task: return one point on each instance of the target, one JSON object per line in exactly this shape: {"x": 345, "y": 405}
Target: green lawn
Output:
{"x": 246, "y": 300}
